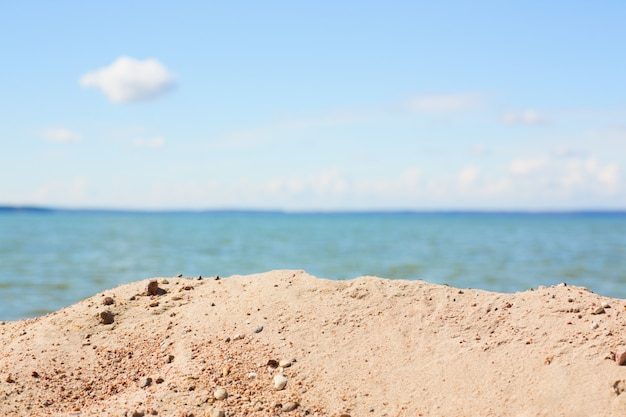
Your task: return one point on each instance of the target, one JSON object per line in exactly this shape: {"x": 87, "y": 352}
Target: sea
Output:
{"x": 50, "y": 259}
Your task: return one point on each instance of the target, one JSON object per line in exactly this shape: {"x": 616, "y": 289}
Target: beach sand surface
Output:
{"x": 363, "y": 347}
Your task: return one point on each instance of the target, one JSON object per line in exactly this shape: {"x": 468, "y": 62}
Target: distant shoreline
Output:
{"x": 52, "y": 210}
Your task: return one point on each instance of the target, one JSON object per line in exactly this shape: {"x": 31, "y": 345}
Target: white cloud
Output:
{"x": 609, "y": 175}
{"x": 526, "y": 117}
{"x": 549, "y": 183}
{"x": 468, "y": 175}
{"x": 128, "y": 80}
{"x": 61, "y": 135}
{"x": 590, "y": 174}
{"x": 154, "y": 143}
{"x": 443, "y": 103}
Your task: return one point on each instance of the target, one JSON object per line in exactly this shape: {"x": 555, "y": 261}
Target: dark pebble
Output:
{"x": 106, "y": 317}
{"x": 153, "y": 287}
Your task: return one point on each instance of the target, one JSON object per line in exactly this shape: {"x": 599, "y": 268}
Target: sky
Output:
{"x": 325, "y": 105}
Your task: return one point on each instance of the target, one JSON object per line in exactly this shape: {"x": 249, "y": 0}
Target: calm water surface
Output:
{"x": 49, "y": 261}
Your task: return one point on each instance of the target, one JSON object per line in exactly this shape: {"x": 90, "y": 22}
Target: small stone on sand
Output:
{"x": 280, "y": 382}
{"x": 290, "y": 406}
{"x": 106, "y": 317}
{"x": 152, "y": 288}
{"x": 220, "y": 393}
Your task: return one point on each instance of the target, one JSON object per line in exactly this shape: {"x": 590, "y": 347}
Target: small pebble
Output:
{"x": 145, "y": 382}
{"x": 237, "y": 337}
{"x": 284, "y": 363}
{"x": 152, "y": 288}
{"x": 290, "y": 406}
{"x": 598, "y": 310}
{"x": 108, "y": 301}
{"x": 106, "y": 317}
{"x": 620, "y": 356}
{"x": 220, "y": 393}
{"x": 280, "y": 382}
{"x": 252, "y": 375}
{"x": 258, "y": 329}
{"x": 594, "y": 326}
{"x": 179, "y": 276}
{"x": 215, "y": 412}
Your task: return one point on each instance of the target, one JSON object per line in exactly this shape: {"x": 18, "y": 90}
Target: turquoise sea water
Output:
{"x": 51, "y": 260}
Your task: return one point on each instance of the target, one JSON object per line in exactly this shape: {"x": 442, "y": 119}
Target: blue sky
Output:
{"x": 313, "y": 106}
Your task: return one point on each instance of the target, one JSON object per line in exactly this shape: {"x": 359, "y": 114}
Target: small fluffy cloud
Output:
{"x": 61, "y": 135}
{"x": 590, "y": 173}
{"x": 468, "y": 175}
{"x": 128, "y": 80}
{"x": 443, "y": 103}
{"x": 527, "y": 117}
{"x": 154, "y": 143}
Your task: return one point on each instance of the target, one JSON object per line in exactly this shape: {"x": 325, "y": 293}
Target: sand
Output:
{"x": 363, "y": 347}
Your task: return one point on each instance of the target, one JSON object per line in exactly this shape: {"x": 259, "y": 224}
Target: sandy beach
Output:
{"x": 287, "y": 343}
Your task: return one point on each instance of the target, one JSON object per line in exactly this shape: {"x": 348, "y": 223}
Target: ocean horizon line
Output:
{"x": 121, "y": 210}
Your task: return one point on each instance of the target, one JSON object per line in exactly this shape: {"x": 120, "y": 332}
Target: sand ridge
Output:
{"x": 367, "y": 346}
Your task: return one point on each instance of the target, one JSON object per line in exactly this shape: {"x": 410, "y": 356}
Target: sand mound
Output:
{"x": 364, "y": 347}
